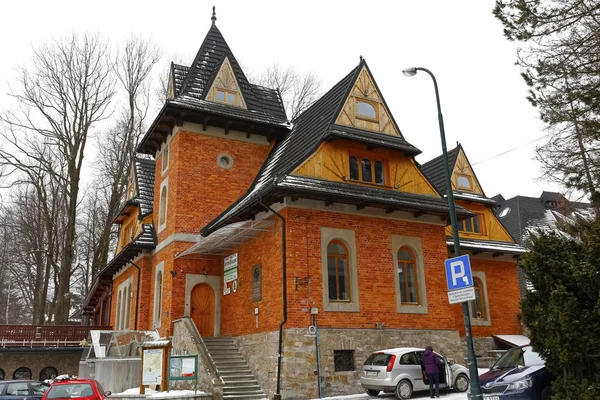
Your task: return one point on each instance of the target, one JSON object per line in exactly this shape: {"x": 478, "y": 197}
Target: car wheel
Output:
{"x": 547, "y": 393}
{"x": 404, "y": 389}
{"x": 461, "y": 384}
{"x": 372, "y": 392}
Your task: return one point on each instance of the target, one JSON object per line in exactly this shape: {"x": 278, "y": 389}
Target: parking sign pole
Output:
{"x": 475, "y": 392}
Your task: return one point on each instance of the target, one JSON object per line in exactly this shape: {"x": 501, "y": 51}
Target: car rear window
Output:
{"x": 17, "y": 389}
{"x": 70, "y": 391}
{"x": 378, "y": 359}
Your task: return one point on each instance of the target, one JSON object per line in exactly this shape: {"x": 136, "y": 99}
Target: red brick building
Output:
{"x": 257, "y": 227}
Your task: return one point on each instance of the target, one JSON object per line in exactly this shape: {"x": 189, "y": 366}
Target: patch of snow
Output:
{"x": 149, "y": 393}
{"x": 516, "y": 340}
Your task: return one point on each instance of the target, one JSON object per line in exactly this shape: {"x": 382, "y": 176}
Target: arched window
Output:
{"x": 408, "y": 278}
{"x": 338, "y": 273}
{"x": 463, "y": 182}
{"x": 165, "y": 158}
{"x": 48, "y": 373}
{"x": 119, "y": 305}
{"x": 367, "y": 174}
{"x": 366, "y": 110}
{"x": 22, "y": 373}
{"x": 354, "y": 168}
{"x": 162, "y": 211}
{"x": 478, "y": 308}
{"x": 126, "y": 323}
{"x": 158, "y": 298}
{"x": 379, "y": 172}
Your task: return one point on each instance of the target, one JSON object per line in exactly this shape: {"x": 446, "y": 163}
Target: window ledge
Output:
{"x": 477, "y": 322}
{"x": 421, "y": 309}
{"x": 340, "y": 307}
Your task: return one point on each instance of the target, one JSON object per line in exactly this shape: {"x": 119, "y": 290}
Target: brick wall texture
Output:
{"x": 199, "y": 190}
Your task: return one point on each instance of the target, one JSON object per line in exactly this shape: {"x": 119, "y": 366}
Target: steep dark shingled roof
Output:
{"x": 190, "y": 86}
{"x": 435, "y": 172}
{"x": 313, "y": 126}
{"x": 205, "y": 68}
{"x": 144, "y": 178}
{"x": 146, "y": 240}
{"x": 179, "y": 73}
{"x": 521, "y": 214}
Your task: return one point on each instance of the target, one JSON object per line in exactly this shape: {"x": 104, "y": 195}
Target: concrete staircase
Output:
{"x": 239, "y": 383}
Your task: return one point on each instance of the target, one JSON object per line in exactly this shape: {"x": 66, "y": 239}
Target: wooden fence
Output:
{"x": 49, "y": 335}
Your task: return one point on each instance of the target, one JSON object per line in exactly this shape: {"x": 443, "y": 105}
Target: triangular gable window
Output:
{"x": 364, "y": 108}
{"x": 463, "y": 177}
{"x": 225, "y": 88}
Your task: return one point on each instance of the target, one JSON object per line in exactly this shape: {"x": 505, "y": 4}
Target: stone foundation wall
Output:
{"x": 66, "y": 361}
{"x": 187, "y": 341}
{"x": 299, "y": 363}
{"x": 260, "y": 352}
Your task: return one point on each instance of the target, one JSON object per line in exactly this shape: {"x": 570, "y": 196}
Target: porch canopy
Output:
{"x": 222, "y": 241}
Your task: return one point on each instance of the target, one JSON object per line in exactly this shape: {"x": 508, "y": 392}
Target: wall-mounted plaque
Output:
{"x": 257, "y": 283}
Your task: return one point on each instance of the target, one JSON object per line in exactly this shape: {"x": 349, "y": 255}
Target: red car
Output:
{"x": 81, "y": 389}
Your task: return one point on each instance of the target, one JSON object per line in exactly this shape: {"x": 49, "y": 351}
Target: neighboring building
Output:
{"x": 222, "y": 175}
{"x": 523, "y": 216}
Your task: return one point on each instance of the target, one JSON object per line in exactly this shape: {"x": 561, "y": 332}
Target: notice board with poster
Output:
{"x": 230, "y": 268}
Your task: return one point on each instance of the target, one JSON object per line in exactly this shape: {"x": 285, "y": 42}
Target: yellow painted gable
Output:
{"x": 463, "y": 169}
{"x": 331, "y": 162}
{"x": 226, "y": 81}
{"x": 491, "y": 228}
{"x": 364, "y": 89}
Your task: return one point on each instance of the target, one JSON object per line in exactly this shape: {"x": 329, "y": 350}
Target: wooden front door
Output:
{"x": 203, "y": 309}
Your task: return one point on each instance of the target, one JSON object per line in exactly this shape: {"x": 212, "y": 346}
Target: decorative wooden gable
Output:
{"x": 331, "y": 161}
{"x": 365, "y": 109}
{"x": 463, "y": 177}
{"x": 225, "y": 88}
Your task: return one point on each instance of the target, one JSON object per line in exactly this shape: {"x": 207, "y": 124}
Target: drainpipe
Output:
{"x": 277, "y": 395}
{"x": 137, "y": 295}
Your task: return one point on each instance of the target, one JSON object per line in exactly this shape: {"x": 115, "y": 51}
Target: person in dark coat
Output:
{"x": 431, "y": 362}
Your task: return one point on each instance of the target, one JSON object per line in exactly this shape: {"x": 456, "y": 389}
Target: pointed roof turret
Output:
{"x": 192, "y": 91}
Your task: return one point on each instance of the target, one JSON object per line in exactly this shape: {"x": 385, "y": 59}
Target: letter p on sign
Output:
{"x": 458, "y": 272}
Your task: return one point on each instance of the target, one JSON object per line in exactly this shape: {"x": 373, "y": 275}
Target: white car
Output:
{"x": 400, "y": 371}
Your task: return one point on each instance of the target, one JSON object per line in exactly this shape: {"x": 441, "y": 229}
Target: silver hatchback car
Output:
{"x": 400, "y": 371}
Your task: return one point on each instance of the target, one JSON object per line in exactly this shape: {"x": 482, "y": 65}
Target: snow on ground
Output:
{"x": 153, "y": 393}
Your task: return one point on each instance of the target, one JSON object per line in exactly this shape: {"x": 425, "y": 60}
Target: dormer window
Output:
{"x": 366, "y": 110}
{"x": 370, "y": 170}
{"x": 225, "y": 96}
{"x": 463, "y": 182}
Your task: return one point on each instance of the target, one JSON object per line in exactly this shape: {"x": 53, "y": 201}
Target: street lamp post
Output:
{"x": 475, "y": 392}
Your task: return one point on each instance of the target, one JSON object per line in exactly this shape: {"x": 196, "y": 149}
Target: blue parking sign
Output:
{"x": 458, "y": 272}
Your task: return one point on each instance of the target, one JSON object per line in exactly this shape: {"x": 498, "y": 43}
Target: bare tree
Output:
{"x": 297, "y": 91}
{"x": 116, "y": 146}
{"x": 61, "y": 98}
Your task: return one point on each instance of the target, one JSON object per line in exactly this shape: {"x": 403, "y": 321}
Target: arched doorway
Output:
{"x": 203, "y": 309}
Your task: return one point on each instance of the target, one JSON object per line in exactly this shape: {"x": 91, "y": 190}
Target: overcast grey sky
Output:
{"x": 482, "y": 94}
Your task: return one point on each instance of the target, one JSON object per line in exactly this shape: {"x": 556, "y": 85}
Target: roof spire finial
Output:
{"x": 214, "y": 16}
{"x": 361, "y": 58}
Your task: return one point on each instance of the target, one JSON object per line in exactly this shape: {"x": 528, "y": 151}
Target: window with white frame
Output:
{"x": 158, "y": 294}
{"x": 480, "y": 308}
{"x": 409, "y": 275}
{"x": 163, "y": 204}
{"x": 340, "y": 275}
{"x": 165, "y": 157}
